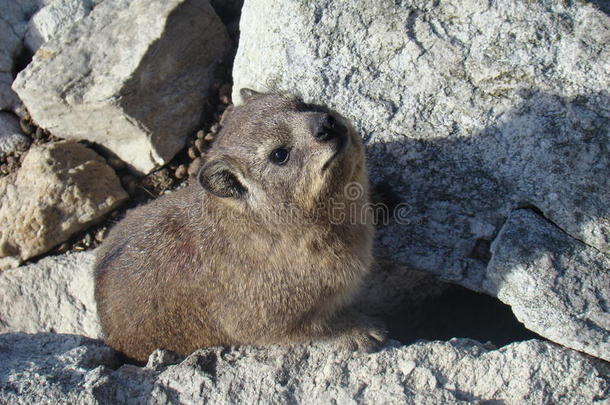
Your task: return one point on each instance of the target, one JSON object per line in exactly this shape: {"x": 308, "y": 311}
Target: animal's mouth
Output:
{"x": 342, "y": 142}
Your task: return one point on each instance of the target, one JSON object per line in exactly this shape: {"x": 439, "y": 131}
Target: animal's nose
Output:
{"x": 328, "y": 127}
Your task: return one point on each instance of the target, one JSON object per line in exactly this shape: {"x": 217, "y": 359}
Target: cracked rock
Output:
{"x": 557, "y": 286}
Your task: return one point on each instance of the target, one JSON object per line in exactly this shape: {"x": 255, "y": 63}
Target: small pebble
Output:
{"x": 193, "y": 152}
{"x": 200, "y": 134}
{"x": 26, "y": 126}
{"x": 225, "y": 114}
{"x": 39, "y": 134}
{"x": 209, "y": 137}
{"x": 200, "y": 145}
{"x": 100, "y": 234}
{"x": 194, "y": 167}
{"x": 63, "y": 248}
{"x": 87, "y": 240}
{"x": 181, "y": 172}
{"x": 22, "y": 147}
{"x": 214, "y": 128}
{"x": 224, "y": 93}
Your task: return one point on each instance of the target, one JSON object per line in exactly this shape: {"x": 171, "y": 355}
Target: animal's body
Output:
{"x": 262, "y": 248}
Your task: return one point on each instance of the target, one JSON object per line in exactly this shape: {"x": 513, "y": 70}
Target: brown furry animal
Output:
{"x": 261, "y": 249}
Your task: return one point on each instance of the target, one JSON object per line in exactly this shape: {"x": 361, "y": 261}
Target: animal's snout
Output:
{"x": 328, "y": 127}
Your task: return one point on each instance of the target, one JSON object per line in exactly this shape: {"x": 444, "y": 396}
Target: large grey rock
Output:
{"x": 60, "y": 189}
{"x": 131, "y": 76}
{"x": 17, "y": 26}
{"x": 53, "y": 19}
{"x": 52, "y": 295}
{"x": 11, "y": 137}
{"x": 468, "y": 110}
{"x": 557, "y": 286}
{"x": 13, "y": 24}
{"x": 65, "y": 369}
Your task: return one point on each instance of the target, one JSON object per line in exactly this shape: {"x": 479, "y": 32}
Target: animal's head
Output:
{"x": 275, "y": 151}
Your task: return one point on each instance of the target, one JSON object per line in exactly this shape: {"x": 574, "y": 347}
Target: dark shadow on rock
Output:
{"x": 415, "y": 305}
{"x": 23, "y": 353}
{"x": 603, "y": 5}
{"x": 22, "y": 59}
{"x": 549, "y": 152}
{"x": 229, "y": 11}
{"x": 458, "y": 313}
{"x": 73, "y": 365}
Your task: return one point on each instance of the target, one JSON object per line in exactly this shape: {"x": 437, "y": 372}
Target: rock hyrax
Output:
{"x": 262, "y": 248}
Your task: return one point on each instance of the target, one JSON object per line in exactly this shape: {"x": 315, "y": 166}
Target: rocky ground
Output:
{"x": 459, "y": 371}
{"x": 487, "y": 123}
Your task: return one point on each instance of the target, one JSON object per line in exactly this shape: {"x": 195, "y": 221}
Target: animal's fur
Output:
{"x": 249, "y": 253}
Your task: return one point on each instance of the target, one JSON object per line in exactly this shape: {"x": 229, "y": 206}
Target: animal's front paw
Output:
{"x": 364, "y": 339}
{"x": 361, "y": 333}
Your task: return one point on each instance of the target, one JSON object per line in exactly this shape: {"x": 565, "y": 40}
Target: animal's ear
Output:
{"x": 247, "y": 93}
{"x": 221, "y": 178}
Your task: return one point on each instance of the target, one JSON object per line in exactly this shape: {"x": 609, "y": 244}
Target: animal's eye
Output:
{"x": 279, "y": 156}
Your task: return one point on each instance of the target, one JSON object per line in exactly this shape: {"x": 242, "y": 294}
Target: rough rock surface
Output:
{"x": 468, "y": 109}
{"x": 54, "y": 18}
{"x": 14, "y": 17}
{"x": 17, "y": 26}
{"x": 60, "y": 189}
{"x": 53, "y": 295}
{"x": 557, "y": 287}
{"x": 131, "y": 76}
{"x": 66, "y": 369}
{"x": 11, "y": 137}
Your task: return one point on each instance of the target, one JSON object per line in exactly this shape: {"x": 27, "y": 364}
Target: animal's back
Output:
{"x": 223, "y": 262}
{"x": 145, "y": 285}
